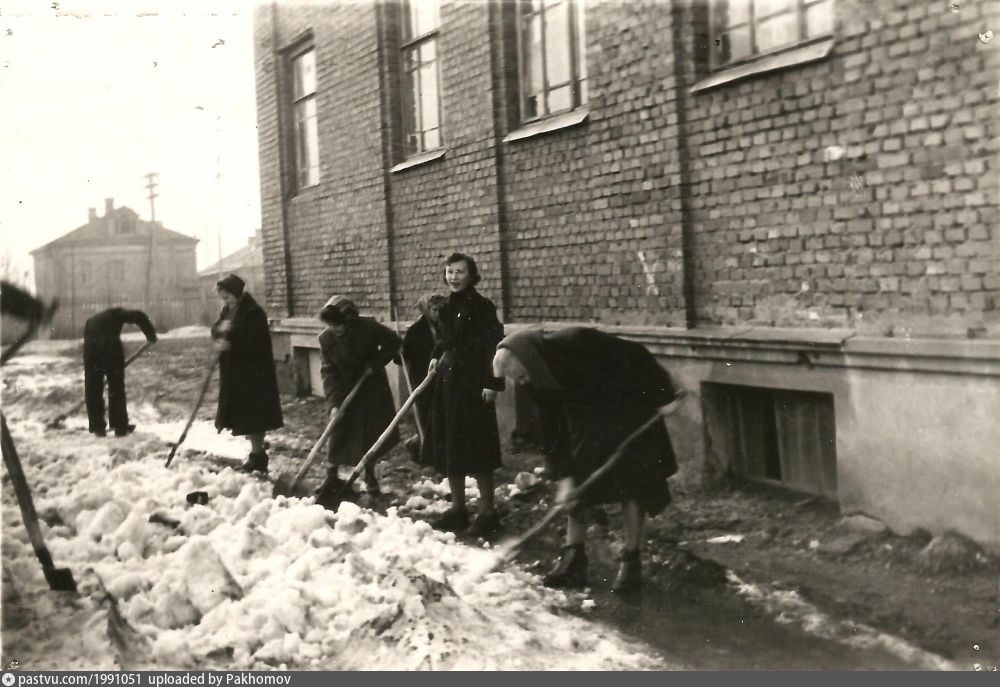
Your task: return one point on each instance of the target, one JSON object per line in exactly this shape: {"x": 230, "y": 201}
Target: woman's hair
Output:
{"x": 469, "y": 262}
{"x": 430, "y": 300}
{"x": 231, "y": 284}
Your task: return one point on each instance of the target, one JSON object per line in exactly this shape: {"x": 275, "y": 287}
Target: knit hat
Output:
{"x": 231, "y": 284}
{"x": 527, "y": 347}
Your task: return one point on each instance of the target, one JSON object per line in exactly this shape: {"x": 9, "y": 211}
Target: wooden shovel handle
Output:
{"x": 386, "y": 433}
{"x": 328, "y": 430}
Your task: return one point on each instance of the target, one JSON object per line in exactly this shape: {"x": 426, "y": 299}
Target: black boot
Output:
{"x": 331, "y": 493}
{"x": 570, "y": 570}
{"x": 629, "y": 577}
{"x": 124, "y": 431}
{"x": 255, "y": 462}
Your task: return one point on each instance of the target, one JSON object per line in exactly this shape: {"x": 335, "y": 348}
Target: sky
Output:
{"x": 96, "y": 94}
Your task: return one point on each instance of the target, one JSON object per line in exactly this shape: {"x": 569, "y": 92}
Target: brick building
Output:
{"x": 111, "y": 261}
{"x": 792, "y": 202}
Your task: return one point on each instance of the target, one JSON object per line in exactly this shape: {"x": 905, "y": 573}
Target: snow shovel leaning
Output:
{"x": 506, "y": 552}
{"x": 55, "y": 422}
{"x": 359, "y": 468}
{"x": 59, "y": 579}
{"x": 194, "y": 411}
{"x": 285, "y": 485}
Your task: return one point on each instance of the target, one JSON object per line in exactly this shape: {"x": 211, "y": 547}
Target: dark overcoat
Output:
{"x": 249, "y": 402}
{"x": 462, "y": 436}
{"x": 418, "y": 346}
{"x": 364, "y": 344}
{"x": 102, "y": 342}
{"x": 610, "y": 387}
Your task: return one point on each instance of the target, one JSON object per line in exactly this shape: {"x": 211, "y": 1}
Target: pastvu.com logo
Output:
{"x": 7, "y": 679}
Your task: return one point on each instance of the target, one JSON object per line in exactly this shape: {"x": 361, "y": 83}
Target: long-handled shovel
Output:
{"x": 409, "y": 390}
{"x": 194, "y": 411}
{"x": 285, "y": 485}
{"x": 359, "y": 468}
{"x": 58, "y": 420}
{"x": 59, "y": 579}
{"x": 506, "y": 552}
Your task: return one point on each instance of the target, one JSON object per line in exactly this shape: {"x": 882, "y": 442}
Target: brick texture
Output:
{"x": 593, "y": 222}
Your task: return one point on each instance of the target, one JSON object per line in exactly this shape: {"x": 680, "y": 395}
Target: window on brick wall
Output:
{"x": 743, "y": 30}
{"x": 421, "y": 102}
{"x": 553, "y": 68}
{"x": 304, "y": 112}
{"x": 86, "y": 272}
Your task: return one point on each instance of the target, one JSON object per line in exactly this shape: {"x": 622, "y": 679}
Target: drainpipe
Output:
{"x": 277, "y": 62}
{"x": 386, "y": 131}
{"x": 681, "y": 61}
{"x": 499, "y": 84}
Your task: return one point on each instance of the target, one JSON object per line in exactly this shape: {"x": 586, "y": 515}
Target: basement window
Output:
{"x": 774, "y": 435}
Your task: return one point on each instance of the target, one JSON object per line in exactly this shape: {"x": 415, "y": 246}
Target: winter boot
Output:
{"x": 124, "y": 431}
{"x": 452, "y": 521}
{"x": 255, "y": 462}
{"x": 629, "y": 577}
{"x": 485, "y": 526}
{"x": 327, "y": 494}
{"x": 570, "y": 570}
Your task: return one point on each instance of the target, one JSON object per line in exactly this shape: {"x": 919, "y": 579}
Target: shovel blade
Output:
{"x": 60, "y": 579}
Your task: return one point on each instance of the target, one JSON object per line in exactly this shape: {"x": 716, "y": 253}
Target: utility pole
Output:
{"x": 151, "y": 187}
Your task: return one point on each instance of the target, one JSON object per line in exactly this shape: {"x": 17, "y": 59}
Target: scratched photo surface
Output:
{"x": 500, "y": 335}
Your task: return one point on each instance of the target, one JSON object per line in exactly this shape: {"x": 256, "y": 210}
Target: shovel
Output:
{"x": 55, "y": 422}
{"x": 359, "y": 468}
{"x": 409, "y": 390}
{"x": 194, "y": 411}
{"x": 285, "y": 485}
{"x": 506, "y": 552}
{"x": 59, "y": 579}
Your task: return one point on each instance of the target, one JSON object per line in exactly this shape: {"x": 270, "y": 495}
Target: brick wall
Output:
{"x": 335, "y": 232}
{"x": 898, "y": 234}
{"x": 665, "y": 207}
{"x": 594, "y": 212}
{"x": 450, "y": 204}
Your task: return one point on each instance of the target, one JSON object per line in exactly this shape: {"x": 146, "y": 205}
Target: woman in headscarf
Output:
{"x": 249, "y": 403}
{"x": 462, "y": 436}
{"x": 349, "y": 345}
{"x": 418, "y": 346}
{"x": 593, "y": 390}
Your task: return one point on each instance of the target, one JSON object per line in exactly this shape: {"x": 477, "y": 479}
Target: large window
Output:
{"x": 421, "y": 106}
{"x": 553, "y": 63}
{"x": 745, "y": 29}
{"x": 304, "y": 107}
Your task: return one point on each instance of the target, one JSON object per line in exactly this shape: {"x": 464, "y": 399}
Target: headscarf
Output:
{"x": 527, "y": 347}
{"x": 338, "y": 309}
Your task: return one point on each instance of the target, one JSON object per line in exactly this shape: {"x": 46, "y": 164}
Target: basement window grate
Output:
{"x": 774, "y": 435}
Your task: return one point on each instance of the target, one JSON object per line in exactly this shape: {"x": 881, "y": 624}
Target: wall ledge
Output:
{"x": 840, "y": 348}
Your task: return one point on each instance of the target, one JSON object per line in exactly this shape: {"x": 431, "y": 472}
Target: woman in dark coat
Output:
{"x": 418, "y": 347}
{"x": 462, "y": 437}
{"x": 348, "y": 346}
{"x": 593, "y": 390}
{"x": 249, "y": 403}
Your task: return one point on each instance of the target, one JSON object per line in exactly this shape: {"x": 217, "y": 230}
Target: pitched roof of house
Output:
{"x": 250, "y": 255}
{"x": 100, "y": 232}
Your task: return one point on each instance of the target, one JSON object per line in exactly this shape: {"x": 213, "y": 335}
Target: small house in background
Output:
{"x": 247, "y": 262}
{"x": 119, "y": 260}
